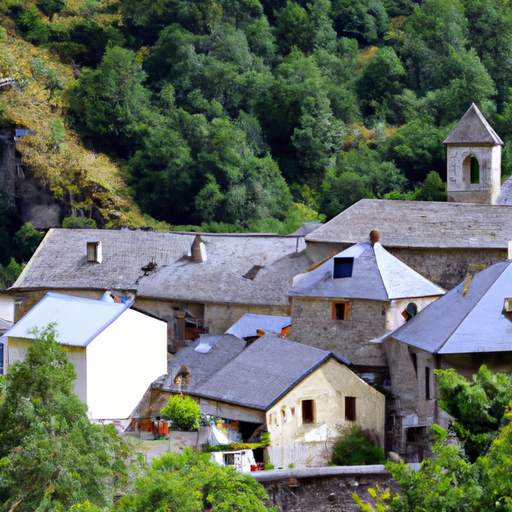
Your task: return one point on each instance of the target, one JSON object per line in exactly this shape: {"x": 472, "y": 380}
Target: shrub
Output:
{"x": 78, "y": 223}
{"x": 356, "y": 448}
{"x": 183, "y": 412}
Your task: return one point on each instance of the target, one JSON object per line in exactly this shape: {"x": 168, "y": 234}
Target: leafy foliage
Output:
{"x": 219, "y": 108}
{"x": 477, "y": 406}
{"x": 183, "y": 411}
{"x": 189, "y": 482}
{"x": 470, "y": 473}
{"x": 51, "y": 456}
{"x": 356, "y": 448}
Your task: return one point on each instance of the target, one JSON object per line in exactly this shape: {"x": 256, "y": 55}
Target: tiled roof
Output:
{"x": 263, "y": 372}
{"x": 60, "y": 263}
{"x": 376, "y": 275}
{"x": 468, "y": 319}
{"x": 473, "y": 128}
{"x": 420, "y": 224}
{"x": 202, "y": 365}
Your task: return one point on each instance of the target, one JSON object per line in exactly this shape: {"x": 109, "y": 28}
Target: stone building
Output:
{"x": 441, "y": 241}
{"x": 359, "y": 294}
{"x": 303, "y": 396}
{"x": 473, "y": 160}
{"x": 469, "y": 326}
{"x": 196, "y": 284}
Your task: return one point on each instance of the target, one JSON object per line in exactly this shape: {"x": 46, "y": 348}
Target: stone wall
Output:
{"x": 313, "y": 325}
{"x": 323, "y": 489}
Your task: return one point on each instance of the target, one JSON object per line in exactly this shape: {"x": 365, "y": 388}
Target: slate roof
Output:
{"x": 250, "y": 323}
{"x": 505, "y": 198}
{"x": 202, "y": 365}
{"x": 473, "y": 128}
{"x": 376, "y": 275}
{"x": 60, "y": 263}
{"x": 468, "y": 319}
{"x": 264, "y": 372}
{"x": 78, "y": 320}
{"x": 420, "y": 224}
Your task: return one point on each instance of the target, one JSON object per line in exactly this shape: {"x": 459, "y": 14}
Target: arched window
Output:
{"x": 474, "y": 170}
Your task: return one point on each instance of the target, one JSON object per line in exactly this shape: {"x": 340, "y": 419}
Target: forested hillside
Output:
{"x": 248, "y": 114}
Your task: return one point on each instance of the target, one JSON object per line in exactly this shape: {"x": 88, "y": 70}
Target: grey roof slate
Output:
{"x": 505, "y": 193}
{"x": 250, "y": 323}
{"x": 60, "y": 263}
{"x": 468, "y": 319}
{"x": 420, "y": 224}
{"x": 473, "y": 128}
{"x": 376, "y": 275}
{"x": 202, "y": 366}
{"x": 262, "y": 373}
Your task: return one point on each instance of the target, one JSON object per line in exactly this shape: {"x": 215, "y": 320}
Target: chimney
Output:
{"x": 198, "y": 250}
{"x": 94, "y": 252}
{"x": 374, "y": 237}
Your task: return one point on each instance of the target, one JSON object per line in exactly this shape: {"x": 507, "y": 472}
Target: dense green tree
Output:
{"x": 358, "y": 174}
{"x": 51, "y": 456}
{"x": 189, "y": 482}
{"x": 416, "y": 149}
{"x": 477, "y": 406}
{"x": 490, "y": 34}
{"x": 366, "y": 20}
{"x": 111, "y": 101}
{"x": 380, "y": 80}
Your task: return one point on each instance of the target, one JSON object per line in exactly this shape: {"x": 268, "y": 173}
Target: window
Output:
{"x": 343, "y": 267}
{"x": 339, "y": 310}
{"x": 308, "y": 411}
{"x": 427, "y": 383}
{"x": 474, "y": 170}
{"x": 94, "y": 252}
{"x": 414, "y": 361}
{"x": 350, "y": 408}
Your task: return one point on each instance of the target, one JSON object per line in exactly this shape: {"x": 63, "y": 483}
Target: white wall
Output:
{"x": 122, "y": 362}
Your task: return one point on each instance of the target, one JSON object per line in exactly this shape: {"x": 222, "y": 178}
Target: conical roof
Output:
{"x": 473, "y": 128}
{"x": 376, "y": 275}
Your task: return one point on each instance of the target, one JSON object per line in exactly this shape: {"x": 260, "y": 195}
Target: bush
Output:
{"x": 183, "y": 412}
{"x": 356, "y": 448}
{"x": 78, "y": 223}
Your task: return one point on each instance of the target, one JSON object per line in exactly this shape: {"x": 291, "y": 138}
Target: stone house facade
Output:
{"x": 467, "y": 327}
{"x": 359, "y": 294}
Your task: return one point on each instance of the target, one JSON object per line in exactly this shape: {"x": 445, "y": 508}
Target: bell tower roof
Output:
{"x": 473, "y": 128}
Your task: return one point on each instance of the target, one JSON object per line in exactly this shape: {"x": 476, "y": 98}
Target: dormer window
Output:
{"x": 343, "y": 267}
{"x": 94, "y": 252}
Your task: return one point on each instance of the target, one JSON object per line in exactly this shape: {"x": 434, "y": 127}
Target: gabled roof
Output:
{"x": 78, "y": 320}
{"x": 250, "y": 323}
{"x": 201, "y": 365}
{"x": 468, "y": 319}
{"x": 473, "y": 128}
{"x": 376, "y": 275}
{"x": 264, "y": 372}
{"x": 420, "y": 224}
{"x": 60, "y": 262}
